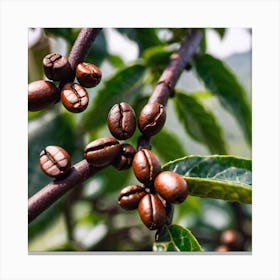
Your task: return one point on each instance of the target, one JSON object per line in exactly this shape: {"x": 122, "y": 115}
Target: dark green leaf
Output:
{"x": 144, "y": 37}
{"x": 221, "y": 177}
{"x": 176, "y": 238}
{"x": 167, "y": 146}
{"x": 203, "y": 44}
{"x": 221, "y": 32}
{"x": 199, "y": 123}
{"x": 124, "y": 85}
{"x": 222, "y": 82}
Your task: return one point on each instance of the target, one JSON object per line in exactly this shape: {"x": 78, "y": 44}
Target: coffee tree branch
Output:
{"x": 81, "y": 47}
{"x": 82, "y": 170}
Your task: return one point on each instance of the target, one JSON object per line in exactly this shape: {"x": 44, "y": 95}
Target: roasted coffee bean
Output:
{"x": 130, "y": 196}
{"x": 55, "y": 161}
{"x": 74, "y": 97}
{"x": 57, "y": 67}
{"x": 124, "y": 159}
{"x": 152, "y": 118}
{"x": 171, "y": 186}
{"x": 121, "y": 121}
{"x": 88, "y": 75}
{"x": 146, "y": 166}
{"x": 102, "y": 151}
{"x": 41, "y": 94}
{"x": 152, "y": 212}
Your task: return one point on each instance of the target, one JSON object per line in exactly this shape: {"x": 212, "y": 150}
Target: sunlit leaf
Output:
{"x": 200, "y": 123}
{"x": 221, "y": 177}
{"x": 176, "y": 238}
{"x": 222, "y": 82}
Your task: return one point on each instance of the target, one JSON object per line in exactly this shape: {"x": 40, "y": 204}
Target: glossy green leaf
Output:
{"x": 167, "y": 146}
{"x": 144, "y": 37}
{"x": 200, "y": 123}
{"x": 222, "y": 82}
{"x": 221, "y": 177}
{"x": 176, "y": 238}
{"x": 124, "y": 85}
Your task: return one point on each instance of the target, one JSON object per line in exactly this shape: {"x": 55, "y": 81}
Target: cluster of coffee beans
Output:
{"x": 74, "y": 96}
{"x": 158, "y": 186}
{"x": 156, "y": 183}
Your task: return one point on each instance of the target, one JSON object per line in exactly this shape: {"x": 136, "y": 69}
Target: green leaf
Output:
{"x": 223, "y": 83}
{"x": 144, "y": 37}
{"x": 167, "y": 146}
{"x": 157, "y": 55}
{"x": 220, "y": 31}
{"x": 115, "y": 60}
{"x": 156, "y": 58}
{"x": 200, "y": 123}
{"x": 124, "y": 85}
{"x": 176, "y": 238}
{"x": 220, "y": 177}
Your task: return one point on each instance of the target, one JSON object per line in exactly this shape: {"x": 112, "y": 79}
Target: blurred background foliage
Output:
{"x": 206, "y": 116}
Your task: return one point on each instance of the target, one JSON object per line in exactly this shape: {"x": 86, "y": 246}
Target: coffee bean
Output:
{"x": 152, "y": 212}
{"x": 74, "y": 97}
{"x": 152, "y": 118}
{"x": 171, "y": 186}
{"x": 88, "y": 75}
{"x": 57, "y": 67}
{"x": 102, "y": 151}
{"x": 55, "y": 161}
{"x": 124, "y": 159}
{"x": 121, "y": 121}
{"x": 146, "y": 166}
{"x": 41, "y": 94}
{"x": 130, "y": 196}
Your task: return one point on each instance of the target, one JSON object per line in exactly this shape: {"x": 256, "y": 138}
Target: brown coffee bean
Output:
{"x": 130, "y": 196}
{"x": 57, "y": 67}
{"x": 152, "y": 118}
{"x": 55, "y": 161}
{"x": 171, "y": 186}
{"x": 146, "y": 166}
{"x": 152, "y": 212}
{"x": 124, "y": 159}
{"x": 102, "y": 151}
{"x": 121, "y": 121}
{"x": 41, "y": 95}
{"x": 74, "y": 97}
{"x": 88, "y": 75}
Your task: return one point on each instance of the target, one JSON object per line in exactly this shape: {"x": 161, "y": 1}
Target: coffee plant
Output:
{"x": 150, "y": 155}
